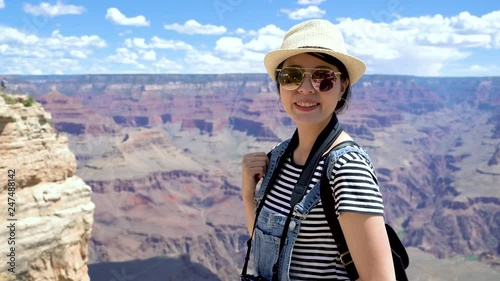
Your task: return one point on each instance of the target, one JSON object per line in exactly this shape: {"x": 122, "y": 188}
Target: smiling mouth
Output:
{"x": 306, "y": 104}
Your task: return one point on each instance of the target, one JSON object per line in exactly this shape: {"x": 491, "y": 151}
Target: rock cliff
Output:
{"x": 166, "y": 177}
{"x": 50, "y": 214}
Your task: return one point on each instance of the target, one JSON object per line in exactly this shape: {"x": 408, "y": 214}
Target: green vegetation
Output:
{"x": 471, "y": 258}
{"x": 29, "y": 102}
{"x": 10, "y": 100}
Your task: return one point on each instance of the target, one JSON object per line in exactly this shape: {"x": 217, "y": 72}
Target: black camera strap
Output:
{"x": 291, "y": 145}
{"x": 324, "y": 140}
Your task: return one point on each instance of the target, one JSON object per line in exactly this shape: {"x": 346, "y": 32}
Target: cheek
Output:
{"x": 338, "y": 90}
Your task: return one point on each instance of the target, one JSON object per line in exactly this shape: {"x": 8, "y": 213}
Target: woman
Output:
{"x": 314, "y": 75}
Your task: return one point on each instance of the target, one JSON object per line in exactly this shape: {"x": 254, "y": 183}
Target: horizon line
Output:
{"x": 221, "y": 74}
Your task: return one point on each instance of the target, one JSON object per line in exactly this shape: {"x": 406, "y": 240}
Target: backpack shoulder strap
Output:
{"x": 328, "y": 203}
{"x": 399, "y": 255}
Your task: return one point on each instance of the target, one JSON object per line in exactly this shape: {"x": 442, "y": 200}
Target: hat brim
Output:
{"x": 355, "y": 67}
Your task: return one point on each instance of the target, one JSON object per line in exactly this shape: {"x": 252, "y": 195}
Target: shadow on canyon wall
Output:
{"x": 153, "y": 269}
{"x": 150, "y": 145}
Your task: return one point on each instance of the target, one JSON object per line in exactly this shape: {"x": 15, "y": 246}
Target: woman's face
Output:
{"x": 310, "y": 104}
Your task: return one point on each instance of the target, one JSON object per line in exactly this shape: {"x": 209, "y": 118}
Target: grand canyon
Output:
{"x": 161, "y": 155}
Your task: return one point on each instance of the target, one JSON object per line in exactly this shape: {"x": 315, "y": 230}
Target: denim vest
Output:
{"x": 269, "y": 227}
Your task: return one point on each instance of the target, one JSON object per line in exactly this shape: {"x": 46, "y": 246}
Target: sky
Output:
{"x": 402, "y": 37}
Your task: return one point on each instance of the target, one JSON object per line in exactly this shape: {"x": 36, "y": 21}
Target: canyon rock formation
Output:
{"x": 162, "y": 155}
{"x": 51, "y": 210}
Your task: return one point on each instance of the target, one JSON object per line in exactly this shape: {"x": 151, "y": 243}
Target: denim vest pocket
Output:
{"x": 266, "y": 241}
{"x": 266, "y": 253}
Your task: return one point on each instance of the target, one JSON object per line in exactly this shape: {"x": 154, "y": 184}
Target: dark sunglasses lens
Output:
{"x": 290, "y": 78}
{"x": 323, "y": 80}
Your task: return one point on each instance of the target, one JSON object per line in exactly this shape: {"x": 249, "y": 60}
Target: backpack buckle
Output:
{"x": 342, "y": 258}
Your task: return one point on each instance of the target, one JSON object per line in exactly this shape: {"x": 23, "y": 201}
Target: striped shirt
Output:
{"x": 315, "y": 255}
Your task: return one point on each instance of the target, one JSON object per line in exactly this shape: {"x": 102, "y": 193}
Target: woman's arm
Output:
{"x": 253, "y": 168}
{"x": 249, "y": 203}
{"x": 368, "y": 244}
{"x": 360, "y": 210}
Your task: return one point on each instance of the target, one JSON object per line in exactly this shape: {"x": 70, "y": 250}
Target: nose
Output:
{"x": 306, "y": 87}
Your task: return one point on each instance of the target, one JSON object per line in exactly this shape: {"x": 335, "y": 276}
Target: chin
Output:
{"x": 308, "y": 120}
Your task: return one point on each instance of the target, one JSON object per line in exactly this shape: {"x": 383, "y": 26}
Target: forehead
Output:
{"x": 307, "y": 61}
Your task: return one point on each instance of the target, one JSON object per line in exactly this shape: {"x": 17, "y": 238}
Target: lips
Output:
{"x": 307, "y": 104}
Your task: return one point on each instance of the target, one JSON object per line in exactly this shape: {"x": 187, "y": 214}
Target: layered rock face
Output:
{"x": 178, "y": 206}
{"x": 51, "y": 213}
{"x": 73, "y": 117}
{"x": 166, "y": 182}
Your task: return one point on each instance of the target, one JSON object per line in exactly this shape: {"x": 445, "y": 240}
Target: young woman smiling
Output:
{"x": 314, "y": 75}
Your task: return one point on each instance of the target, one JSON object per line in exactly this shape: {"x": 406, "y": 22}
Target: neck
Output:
{"x": 308, "y": 136}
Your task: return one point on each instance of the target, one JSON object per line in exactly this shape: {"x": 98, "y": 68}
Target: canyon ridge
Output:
{"x": 161, "y": 154}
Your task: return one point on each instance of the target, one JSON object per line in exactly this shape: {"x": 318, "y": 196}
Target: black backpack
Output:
{"x": 399, "y": 254}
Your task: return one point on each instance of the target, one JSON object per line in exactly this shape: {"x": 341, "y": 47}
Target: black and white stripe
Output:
{"x": 315, "y": 255}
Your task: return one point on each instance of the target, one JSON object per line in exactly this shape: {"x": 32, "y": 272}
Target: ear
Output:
{"x": 344, "y": 85}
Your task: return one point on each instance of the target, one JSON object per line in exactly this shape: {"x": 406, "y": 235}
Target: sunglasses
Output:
{"x": 322, "y": 79}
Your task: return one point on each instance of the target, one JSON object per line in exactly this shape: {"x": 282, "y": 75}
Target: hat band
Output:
{"x": 314, "y": 47}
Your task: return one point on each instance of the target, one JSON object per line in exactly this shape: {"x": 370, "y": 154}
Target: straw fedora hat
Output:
{"x": 319, "y": 36}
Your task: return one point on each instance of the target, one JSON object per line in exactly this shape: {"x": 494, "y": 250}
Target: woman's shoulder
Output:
{"x": 349, "y": 154}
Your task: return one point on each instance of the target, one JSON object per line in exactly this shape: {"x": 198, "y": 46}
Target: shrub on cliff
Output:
{"x": 8, "y": 99}
{"x": 27, "y": 102}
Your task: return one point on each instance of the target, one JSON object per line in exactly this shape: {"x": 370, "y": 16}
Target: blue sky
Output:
{"x": 410, "y": 37}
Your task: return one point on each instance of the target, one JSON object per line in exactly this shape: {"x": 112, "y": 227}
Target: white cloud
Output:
{"x": 208, "y": 62}
{"x": 157, "y": 43}
{"x": 78, "y": 54}
{"x": 124, "y": 56}
{"x": 46, "y": 65}
{"x": 165, "y": 65}
{"x": 115, "y": 16}
{"x": 2, "y": 4}
{"x": 496, "y": 42}
{"x": 446, "y": 40}
{"x": 427, "y": 46}
{"x": 206, "y": 59}
{"x": 267, "y": 38}
{"x": 148, "y": 55}
{"x": 193, "y": 27}
{"x": 418, "y": 60}
{"x": 242, "y": 56}
{"x": 136, "y": 42}
{"x": 246, "y": 33}
{"x": 304, "y": 13}
{"x": 123, "y": 33}
{"x": 12, "y": 35}
{"x": 419, "y": 45}
{"x": 469, "y": 24}
{"x": 30, "y": 54}
{"x": 310, "y": 2}
{"x": 493, "y": 20}
{"x": 478, "y": 68}
{"x": 272, "y": 30}
{"x": 231, "y": 46}
{"x": 57, "y": 41}
{"x": 59, "y": 9}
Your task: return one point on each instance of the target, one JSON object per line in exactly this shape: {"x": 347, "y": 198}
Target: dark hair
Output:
{"x": 343, "y": 103}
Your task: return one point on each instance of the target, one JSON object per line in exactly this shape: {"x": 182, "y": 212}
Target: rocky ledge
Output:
{"x": 48, "y": 219}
